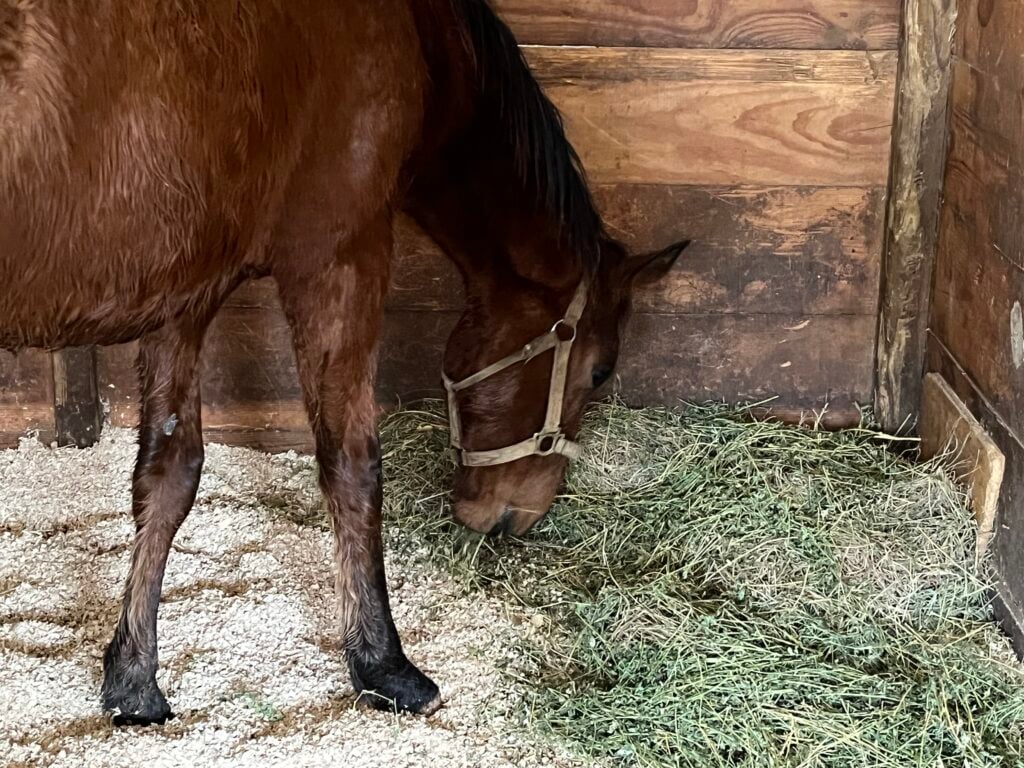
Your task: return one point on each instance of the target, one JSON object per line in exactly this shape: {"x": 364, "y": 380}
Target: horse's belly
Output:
{"x": 55, "y": 307}
{"x": 118, "y": 277}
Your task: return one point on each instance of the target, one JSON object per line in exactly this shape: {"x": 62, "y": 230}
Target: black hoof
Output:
{"x": 396, "y": 688}
{"x": 133, "y": 702}
{"x": 137, "y": 707}
{"x": 123, "y": 721}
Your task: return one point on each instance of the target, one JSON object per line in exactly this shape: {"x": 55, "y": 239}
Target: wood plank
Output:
{"x": 625, "y": 65}
{"x": 948, "y": 426}
{"x": 250, "y": 384}
{"x": 990, "y": 39}
{"x": 78, "y": 413}
{"x": 812, "y": 251}
{"x": 979, "y": 275}
{"x": 976, "y": 292}
{"x": 756, "y": 250}
{"x": 117, "y": 383}
{"x": 26, "y": 396}
{"x": 808, "y": 362}
{"x": 985, "y": 157}
{"x": 1008, "y": 540}
{"x": 872, "y": 24}
{"x": 912, "y": 234}
{"x": 673, "y": 120}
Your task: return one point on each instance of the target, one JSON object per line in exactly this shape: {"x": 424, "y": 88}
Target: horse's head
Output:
{"x": 520, "y": 366}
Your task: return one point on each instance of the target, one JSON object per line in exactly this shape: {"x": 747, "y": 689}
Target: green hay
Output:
{"x": 724, "y": 592}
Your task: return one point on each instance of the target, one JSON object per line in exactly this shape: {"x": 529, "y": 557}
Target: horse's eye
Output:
{"x": 600, "y": 375}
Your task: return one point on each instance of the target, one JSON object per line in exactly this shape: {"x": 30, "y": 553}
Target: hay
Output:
{"x": 712, "y": 591}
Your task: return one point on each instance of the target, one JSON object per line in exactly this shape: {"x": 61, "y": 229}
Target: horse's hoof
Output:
{"x": 402, "y": 689}
{"x": 142, "y": 719}
{"x": 137, "y": 707}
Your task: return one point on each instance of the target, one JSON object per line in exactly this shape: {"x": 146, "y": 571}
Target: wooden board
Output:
{"x": 990, "y": 38}
{"x": 1008, "y": 541}
{"x": 979, "y": 277}
{"x": 977, "y": 334}
{"x": 761, "y": 250}
{"x": 26, "y": 396}
{"x": 725, "y": 117}
{"x": 249, "y": 379}
{"x": 872, "y": 24}
{"x": 948, "y": 426}
{"x": 912, "y": 235}
{"x": 77, "y": 411}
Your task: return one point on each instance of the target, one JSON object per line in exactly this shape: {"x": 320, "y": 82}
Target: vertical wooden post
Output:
{"x": 920, "y": 140}
{"x": 78, "y": 413}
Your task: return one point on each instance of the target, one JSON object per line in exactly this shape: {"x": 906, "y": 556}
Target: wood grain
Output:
{"x": 948, "y": 425}
{"x": 912, "y": 236}
{"x": 755, "y": 250}
{"x": 706, "y": 23}
{"x": 26, "y": 396}
{"x": 686, "y": 117}
{"x": 977, "y": 337}
{"x": 979, "y": 275}
{"x": 990, "y": 38}
{"x": 1008, "y": 542}
{"x": 249, "y": 379}
{"x": 77, "y": 411}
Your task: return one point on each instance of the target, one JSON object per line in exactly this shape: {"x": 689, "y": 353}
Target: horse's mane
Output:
{"x": 532, "y": 129}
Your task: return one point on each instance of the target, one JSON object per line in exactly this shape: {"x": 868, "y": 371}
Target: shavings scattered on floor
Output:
{"x": 246, "y": 628}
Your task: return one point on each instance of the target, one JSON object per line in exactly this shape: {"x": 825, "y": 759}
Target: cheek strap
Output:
{"x": 551, "y": 438}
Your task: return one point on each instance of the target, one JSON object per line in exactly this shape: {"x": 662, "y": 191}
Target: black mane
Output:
{"x": 545, "y": 161}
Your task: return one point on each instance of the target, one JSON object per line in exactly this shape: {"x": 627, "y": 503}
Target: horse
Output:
{"x": 154, "y": 154}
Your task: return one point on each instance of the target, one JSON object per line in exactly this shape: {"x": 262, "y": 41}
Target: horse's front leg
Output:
{"x": 334, "y": 305}
{"x": 163, "y": 489}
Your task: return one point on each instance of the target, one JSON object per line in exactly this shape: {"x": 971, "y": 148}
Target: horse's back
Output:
{"x": 147, "y": 148}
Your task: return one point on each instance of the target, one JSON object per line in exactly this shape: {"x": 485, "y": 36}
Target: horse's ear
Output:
{"x": 650, "y": 267}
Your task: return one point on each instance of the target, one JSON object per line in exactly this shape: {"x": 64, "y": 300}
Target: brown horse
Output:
{"x": 154, "y": 154}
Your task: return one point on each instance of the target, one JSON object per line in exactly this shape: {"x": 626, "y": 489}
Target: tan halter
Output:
{"x": 551, "y": 439}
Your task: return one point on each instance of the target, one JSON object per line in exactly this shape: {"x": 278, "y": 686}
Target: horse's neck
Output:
{"x": 465, "y": 189}
{"x": 475, "y": 208}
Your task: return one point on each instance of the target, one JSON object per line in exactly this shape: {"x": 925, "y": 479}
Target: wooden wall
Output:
{"x": 977, "y": 332}
{"x": 759, "y": 128}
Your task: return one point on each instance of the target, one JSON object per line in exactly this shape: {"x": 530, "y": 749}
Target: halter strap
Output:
{"x": 551, "y": 439}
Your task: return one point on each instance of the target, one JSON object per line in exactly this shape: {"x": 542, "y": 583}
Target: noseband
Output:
{"x": 551, "y": 439}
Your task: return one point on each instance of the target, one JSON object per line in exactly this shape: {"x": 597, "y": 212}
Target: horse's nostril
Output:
{"x": 503, "y": 525}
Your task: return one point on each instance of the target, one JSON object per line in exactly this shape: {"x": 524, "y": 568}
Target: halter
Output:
{"x": 551, "y": 439}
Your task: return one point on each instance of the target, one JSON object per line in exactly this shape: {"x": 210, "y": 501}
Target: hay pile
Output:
{"x": 715, "y": 592}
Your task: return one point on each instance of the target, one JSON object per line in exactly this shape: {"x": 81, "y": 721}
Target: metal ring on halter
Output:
{"x": 563, "y": 324}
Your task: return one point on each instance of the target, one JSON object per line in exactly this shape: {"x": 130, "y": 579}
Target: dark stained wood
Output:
{"x": 249, "y": 380}
{"x": 725, "y": 118}
{"x": 26, "y": 396}
{"x": 809, "y": 361}
{"x": 976, "y": 290}
{"x": 912, "y": 233}
{"x": 756, "y": 250}
{"x": 117, "y": 383}
{"x": 990, "y": 38}
{"x": 872, "y": 24}
{"x": 977, "y": 329}
{"x": 979, "y": 276}
{"x": 1009, "y": 529}
{"x": 796, "y": 250}
{"x": 77, "y": 411}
